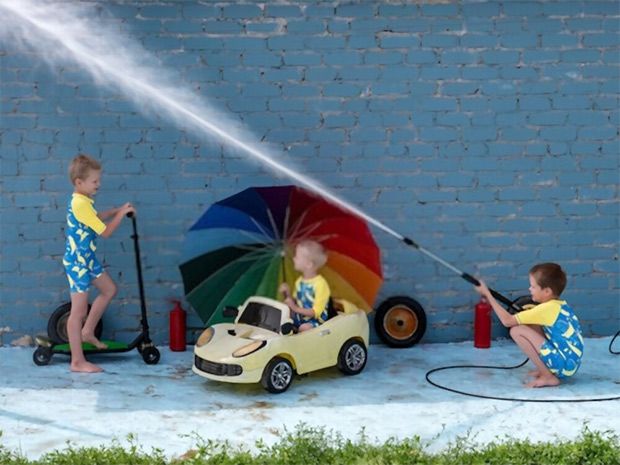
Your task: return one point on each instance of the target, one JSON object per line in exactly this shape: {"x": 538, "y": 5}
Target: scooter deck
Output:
{"x": 87, "y": 347}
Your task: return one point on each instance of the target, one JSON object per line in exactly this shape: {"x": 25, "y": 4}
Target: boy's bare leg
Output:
{"x": 536, "y": 373}
{"x": 107, "y": 291}
{"x": 79, "y": 308}
{"x": 530, "y": 340}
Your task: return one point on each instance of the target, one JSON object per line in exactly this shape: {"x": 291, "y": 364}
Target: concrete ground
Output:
{"x": 166, "y": 405}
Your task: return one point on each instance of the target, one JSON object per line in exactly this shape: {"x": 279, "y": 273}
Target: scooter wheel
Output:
{"x": 42, "y": 356}
{"x": 57, "y": 324}
{"x": 400, "y": 321}
{"x": 150, "y": 355}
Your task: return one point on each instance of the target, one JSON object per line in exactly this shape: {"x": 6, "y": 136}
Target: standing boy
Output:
{"x": 81, "y": 265}
{"x": 549, "y": 333}
{"x": 311, "y": 289}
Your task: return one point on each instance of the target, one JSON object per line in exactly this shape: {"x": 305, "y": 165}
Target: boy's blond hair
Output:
{"x": 316, "y": 250}
{"x": 81, "y": 166}
{"x": 549, "y": 275}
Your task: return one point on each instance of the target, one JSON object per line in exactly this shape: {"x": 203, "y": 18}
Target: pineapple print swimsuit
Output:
{"x": 83, "y": 227}
{"x": 563, "y": 348}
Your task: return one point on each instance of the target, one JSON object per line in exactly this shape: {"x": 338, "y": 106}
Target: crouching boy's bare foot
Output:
{"x": 534, "y": 373}
{"x": 91, "y": 339}
{"x": 85, "y": 367}
{"x": 544, "y": 381}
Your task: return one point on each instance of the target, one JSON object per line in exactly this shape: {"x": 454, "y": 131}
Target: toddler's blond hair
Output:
{"x": 316, "y": 250}
{"x": 81, "y": 166}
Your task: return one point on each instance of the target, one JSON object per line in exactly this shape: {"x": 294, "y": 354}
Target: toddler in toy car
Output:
{"x": 309, "y": 303}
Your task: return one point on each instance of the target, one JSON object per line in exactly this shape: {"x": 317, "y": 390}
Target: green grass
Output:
{"x": 308, "y": 446}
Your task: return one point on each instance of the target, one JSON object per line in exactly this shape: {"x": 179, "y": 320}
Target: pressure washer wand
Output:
{"x": 466, "y": 276}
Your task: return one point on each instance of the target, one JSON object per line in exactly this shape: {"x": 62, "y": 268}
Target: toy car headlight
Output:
{"x": 205, "y": 337}
{"x": 246, "y": 350}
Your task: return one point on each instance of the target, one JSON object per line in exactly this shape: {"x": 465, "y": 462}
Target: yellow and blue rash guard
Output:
{"x": 311, "y": 293}
{"x": 562, "y": 350}
{"x": 83, "y": 227}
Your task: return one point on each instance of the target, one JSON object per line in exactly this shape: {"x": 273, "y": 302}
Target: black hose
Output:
{"x": 513, "y": 399}
{"x": 509, "y": 305}
{"x": 615, "y": 352}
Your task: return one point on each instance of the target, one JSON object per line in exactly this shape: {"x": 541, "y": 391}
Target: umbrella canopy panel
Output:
{"x": 243, "y": 245}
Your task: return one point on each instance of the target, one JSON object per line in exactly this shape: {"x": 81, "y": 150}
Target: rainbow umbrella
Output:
{"x": 243, "y": 246}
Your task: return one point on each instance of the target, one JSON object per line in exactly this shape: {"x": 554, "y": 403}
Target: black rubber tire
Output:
{"x": 352, "y": 357}
{"x": 400, "y": 321}
{"x": 278, "y": 375}
{"x": 151, "y": 355}
{"x": 42, "y": 356}
{"x": 57, "y": 325}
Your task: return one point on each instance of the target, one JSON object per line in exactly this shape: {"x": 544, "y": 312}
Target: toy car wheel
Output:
{"x": 57, "y": 324}
{"x": 352, "y": 357}
{"x": 278, "y": 375}
{"x": 150, "y": 355}
{"x": 400, "y": 321}
{"x": 42, "y": 356}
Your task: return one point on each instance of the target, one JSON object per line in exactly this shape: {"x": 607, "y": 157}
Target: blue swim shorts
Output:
{"x": 81, "y": 276}
{"x": 561, "y": 365}
{"x": 298, "y": 321}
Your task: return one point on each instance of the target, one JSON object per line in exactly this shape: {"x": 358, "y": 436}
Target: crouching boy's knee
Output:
{"x": 516, "y": 331}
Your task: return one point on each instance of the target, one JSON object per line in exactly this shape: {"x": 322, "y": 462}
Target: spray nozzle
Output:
{"x": 410, "y": 242}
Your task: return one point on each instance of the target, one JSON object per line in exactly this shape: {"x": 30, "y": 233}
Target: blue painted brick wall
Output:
{"x": 487, "y": 131}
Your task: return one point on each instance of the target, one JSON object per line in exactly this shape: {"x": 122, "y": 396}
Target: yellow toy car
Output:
{"x": 260, "y": 346}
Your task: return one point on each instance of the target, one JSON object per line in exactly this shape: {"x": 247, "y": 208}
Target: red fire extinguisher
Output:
{"x": 177, "y": 327}
{"x": 482, "y": 324}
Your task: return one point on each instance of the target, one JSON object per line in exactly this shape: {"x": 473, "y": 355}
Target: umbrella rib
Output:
{"x": 273, "y": 224}
{"x": 298, "y": 224}
{"x": 307, "y": 231}
{"x": 254, "y": 255}
{"x": 250, "y": 247}
{"x": 287, "y": 217}
{"x": 255, "y": 237}
{"x": 260, "y": 227}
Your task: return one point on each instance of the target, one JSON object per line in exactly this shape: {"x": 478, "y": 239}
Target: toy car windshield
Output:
{"x": 261, "y": 315}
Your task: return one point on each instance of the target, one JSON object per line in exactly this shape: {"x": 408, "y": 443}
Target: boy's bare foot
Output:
{"x": 94, "y": 341}
{"x": 544, "y": 381}
{"x": 534, "y": 373}
{"x": 85, "y": 367}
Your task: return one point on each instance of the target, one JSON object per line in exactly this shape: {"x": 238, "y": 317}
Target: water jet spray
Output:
{"x": 50, "y": 24}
